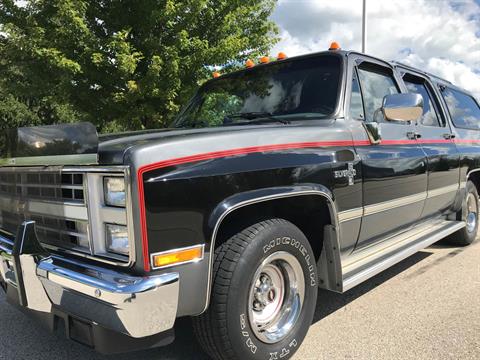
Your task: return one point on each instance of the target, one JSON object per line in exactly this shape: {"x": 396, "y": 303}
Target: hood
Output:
{"x": 112, "y": 147}
{"x": 79, "y": 143}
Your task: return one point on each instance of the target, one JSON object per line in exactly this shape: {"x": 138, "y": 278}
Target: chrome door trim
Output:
{"x": 395, "y": 203}
{"x": 443, "y": 190}
{"x": 352, "y": 214}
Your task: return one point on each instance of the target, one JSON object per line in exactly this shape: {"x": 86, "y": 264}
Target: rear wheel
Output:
{"x": 469, "y": 214}
{"x": 264, "y": 294}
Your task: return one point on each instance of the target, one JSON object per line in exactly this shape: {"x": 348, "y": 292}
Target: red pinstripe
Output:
{"x": 248, "y": 150}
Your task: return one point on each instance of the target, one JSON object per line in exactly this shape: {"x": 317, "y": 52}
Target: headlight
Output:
{"x": 117, "y": 239}
{"x": 114, "y": 191}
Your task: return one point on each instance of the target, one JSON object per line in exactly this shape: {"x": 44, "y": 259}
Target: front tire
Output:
{"x": 263, "y": 296}
{"x": 469, "y": 214}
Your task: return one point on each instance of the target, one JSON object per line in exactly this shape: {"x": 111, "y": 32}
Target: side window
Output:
{"x": 464, "y": 110}
{"x": 356, "y": 102}
{"x": 418, "y": 85}
{"x": 376, "y": 82}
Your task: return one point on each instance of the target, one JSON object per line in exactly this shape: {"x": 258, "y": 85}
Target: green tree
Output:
{"x": 120, "y": 64}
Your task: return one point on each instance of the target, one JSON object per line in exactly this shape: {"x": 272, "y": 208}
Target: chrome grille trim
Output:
{"x": 72, "y": 209}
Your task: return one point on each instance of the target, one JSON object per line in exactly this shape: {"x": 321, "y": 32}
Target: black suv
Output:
{"x": 315, "y": 171}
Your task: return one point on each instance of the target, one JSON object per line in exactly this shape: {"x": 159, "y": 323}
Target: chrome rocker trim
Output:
{"x": 135, "y": 306}
{"x": 356, "y": 213}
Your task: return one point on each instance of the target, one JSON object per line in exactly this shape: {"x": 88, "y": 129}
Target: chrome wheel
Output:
{"x": 276, "y": 297}
{"x": 472, "y": 209}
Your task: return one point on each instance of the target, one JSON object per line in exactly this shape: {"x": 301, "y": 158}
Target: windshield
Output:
{"x": 296, "y": 89}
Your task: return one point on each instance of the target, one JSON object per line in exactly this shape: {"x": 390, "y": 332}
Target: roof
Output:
{"x": 345, "y": 53}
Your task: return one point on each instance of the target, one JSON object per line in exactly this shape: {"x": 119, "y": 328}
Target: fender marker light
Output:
{"x": 177, "y": 256}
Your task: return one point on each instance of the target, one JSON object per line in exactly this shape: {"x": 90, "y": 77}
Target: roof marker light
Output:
{"x": 264, "y": 59}
{"x": 281, "y": 56}
{"x": 216, "y": 74}
{"x": 249, "y": 63}
{"x": 334, "y": 46}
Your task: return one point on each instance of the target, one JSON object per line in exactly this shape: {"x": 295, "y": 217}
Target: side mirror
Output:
{"x": 402, "y": 107}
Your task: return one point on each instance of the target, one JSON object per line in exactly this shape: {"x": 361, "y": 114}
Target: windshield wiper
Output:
{"x": 253, "y": 118}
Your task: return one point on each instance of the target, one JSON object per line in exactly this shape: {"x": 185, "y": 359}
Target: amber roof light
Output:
{"x": 281, "y": 56}
{"x": 334, "y": 46}
{"x": 249, "y": 63}
{"x": 264, "y": 60}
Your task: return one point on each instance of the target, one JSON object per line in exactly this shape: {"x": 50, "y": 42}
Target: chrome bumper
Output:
{"x": 135, "y": 306}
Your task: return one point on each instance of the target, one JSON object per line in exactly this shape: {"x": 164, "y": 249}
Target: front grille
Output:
{"x": 56, "y": 199}
{"x": 56, "y": 231}
{"x": 50, "y": 186}
{"x": 61, "y": 232}
{"x": 25, "y": 194}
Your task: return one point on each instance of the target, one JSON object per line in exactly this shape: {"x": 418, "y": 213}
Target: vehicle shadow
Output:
{"x": 25, "y": 339}
{"x": 328, "y": 302}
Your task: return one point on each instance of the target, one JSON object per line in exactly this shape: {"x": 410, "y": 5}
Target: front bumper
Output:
{"x": 46, "y": 284}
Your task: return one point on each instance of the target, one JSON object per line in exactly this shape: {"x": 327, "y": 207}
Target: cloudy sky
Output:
{"x": 440, "y": 36}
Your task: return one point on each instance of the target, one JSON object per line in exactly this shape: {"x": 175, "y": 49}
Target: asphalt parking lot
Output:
{"x": 426, "y": 307}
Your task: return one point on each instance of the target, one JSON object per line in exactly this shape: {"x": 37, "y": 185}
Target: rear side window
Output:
{"x": 417, "y": 85}
{"x": 464, "y": 110}
{"x": 376, "y": 83}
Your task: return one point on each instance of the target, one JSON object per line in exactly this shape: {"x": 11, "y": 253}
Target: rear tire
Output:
{"x": 468, "y": 214}
{"x": 263, "y": 296}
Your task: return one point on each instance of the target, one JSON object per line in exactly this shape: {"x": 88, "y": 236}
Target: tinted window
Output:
{"x": 376, "y": 84}
{"x": 293, "y": 89}
{"x": 356, "y": 103}
{"x": 463, "y": 109}
{"x": 418, "y": 85}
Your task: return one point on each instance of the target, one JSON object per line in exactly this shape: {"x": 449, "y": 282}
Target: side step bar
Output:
{"x": 371, "y": 261}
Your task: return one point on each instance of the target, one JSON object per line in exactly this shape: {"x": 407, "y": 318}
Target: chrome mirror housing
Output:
{"x": 402, "y": 107}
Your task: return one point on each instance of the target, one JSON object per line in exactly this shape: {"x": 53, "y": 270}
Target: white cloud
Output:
{"x": 440, "y": 36}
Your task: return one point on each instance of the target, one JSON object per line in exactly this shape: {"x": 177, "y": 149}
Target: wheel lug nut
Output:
{"x": 271, "y": 295}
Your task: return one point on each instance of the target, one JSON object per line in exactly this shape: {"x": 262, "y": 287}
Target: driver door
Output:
{"x": 394, "y": 170}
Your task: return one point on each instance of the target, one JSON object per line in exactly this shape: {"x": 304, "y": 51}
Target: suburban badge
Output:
{"x": 349, "y": 173}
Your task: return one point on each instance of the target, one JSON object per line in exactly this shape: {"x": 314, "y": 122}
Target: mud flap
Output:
{"x": 329, "y": 264}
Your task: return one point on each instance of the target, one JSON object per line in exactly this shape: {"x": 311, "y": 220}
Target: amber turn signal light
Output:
{"x": 178, "y": 256}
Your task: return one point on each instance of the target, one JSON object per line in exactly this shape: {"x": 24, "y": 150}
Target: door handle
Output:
{"x": 413, "y": 135}
{"x": 448, "y": 136}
